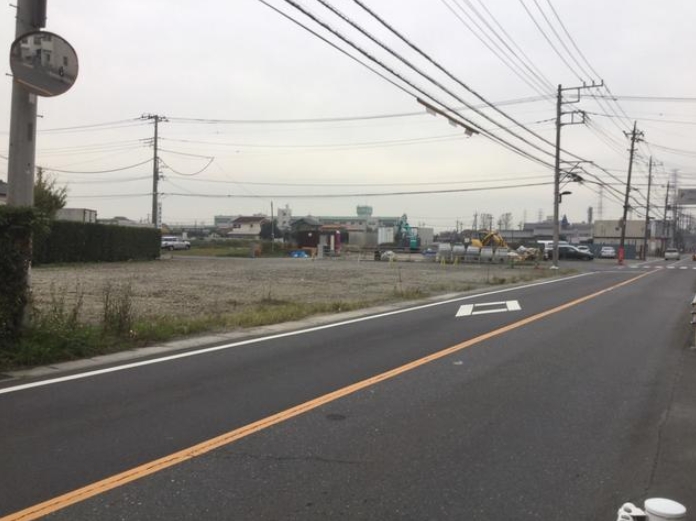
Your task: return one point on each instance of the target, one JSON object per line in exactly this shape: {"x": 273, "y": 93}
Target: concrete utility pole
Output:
{"x": 272, "y": 229}
{"x": 647, "y": 211}
{"x": 557, "y": 163}
{"x": 635, "y": 136}
{"x": 31, "y": 16}
{"x": 676, "y": 211}
{"x": 665, "y": 231}
{"x": 155, "y": 169}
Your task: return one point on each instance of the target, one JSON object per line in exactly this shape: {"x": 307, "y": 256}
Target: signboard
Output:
{"x": 44, "y": 63}
{"x": 686, "y": 196}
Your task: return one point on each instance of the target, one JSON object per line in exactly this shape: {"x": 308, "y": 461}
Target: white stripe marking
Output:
{"x": 467, "y": 310}
{"x": 142, "y": 363}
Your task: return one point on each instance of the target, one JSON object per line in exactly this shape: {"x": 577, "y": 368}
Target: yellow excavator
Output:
{"x": 489, "y": 238}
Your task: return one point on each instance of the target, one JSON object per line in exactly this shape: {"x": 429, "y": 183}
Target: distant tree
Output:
{"x": 265, "y": 232}
{"x": 48, "y": 198}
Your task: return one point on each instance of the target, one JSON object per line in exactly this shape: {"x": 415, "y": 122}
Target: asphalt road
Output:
{"x": 550, "y": 401}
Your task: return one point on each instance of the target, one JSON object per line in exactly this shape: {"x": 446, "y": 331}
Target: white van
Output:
{"x": 170, "y": 242}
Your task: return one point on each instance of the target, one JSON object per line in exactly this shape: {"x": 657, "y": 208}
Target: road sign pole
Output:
{"x": 31, "y": 16}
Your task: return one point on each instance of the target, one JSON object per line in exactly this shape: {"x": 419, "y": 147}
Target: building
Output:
{"x": 362, "y": 221}
{"x": 305, "y": 230}
{"x": 80, "y": 215}
{"x": 3, "y": 192}
{"x": 224, "y": 221}
{"x": 247, "y": 227}
{"x": 609, "y": 233}
{"x": 284, "y": 218}
{"x": 124, "y": 221}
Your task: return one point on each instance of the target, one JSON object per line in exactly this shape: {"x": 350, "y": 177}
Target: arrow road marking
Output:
{"x": 485, "y": 308}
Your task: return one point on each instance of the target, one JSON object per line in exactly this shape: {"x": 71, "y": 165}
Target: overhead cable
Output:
{"x": 98, "y": 171}
{"x": 377, "y": 194}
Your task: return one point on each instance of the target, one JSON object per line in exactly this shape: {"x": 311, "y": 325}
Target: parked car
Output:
{"x": 607, "y": 252}
{"x": 584, "y": 248}
{"x": 170, "y": 242}
{"x": 672, "y": 254}
{"x": 565, "y": 251}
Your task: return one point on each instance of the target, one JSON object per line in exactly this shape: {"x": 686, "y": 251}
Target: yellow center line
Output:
{"x": 117, "y": 480}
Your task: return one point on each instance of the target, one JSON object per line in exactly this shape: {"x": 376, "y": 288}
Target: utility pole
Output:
{"x": 665, "y": 231}
{"x": 155, "y": 169}
{"x": 647, "y": 211}
{"x": 676, "y": 212}
{"x": 272, "y": 229}
{"x": 557, "y": 163}
{"x": 635, "y": 136}
{"x": 31, "y": 16}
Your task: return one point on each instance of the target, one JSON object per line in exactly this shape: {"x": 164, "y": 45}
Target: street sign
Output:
{"x": 686, "y": 196}
{"x": 43, "y": 63}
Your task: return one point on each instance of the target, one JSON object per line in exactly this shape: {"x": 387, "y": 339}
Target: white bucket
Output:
{"x": 661, "y": 509}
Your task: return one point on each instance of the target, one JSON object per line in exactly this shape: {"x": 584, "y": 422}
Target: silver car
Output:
{"x": 170, "y": 242}
{"x": 672, "y": 254}
{"x": 607, "y": 252}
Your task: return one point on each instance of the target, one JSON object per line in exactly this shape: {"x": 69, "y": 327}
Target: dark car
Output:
{"x": 571, "y": 252}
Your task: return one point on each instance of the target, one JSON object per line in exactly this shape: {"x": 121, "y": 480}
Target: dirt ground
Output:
{"x": 187, "y": 286}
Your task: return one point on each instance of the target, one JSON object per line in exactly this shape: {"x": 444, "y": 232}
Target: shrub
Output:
{"x": 16, "y": 225}
{"x": 65, "y": 241}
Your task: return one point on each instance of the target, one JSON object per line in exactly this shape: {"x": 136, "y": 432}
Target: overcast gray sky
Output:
{"x": 232, "y": 76}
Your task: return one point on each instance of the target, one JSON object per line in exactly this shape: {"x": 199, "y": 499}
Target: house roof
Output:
{"x": 249, "y": 219}
{"x": 311, "y": 221}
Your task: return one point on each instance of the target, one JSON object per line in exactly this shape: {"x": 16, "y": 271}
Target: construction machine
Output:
{"x": 488, "y": 238}
{"x": 405, "y": 236}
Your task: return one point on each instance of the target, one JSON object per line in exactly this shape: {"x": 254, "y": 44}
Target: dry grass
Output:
{"x": 198, "y": 287}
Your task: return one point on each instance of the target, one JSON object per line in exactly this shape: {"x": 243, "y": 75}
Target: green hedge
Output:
{"x": 16, "y": 226}
{"x": 66, "y": 241}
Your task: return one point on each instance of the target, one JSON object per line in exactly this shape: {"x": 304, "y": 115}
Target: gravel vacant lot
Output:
{"x": 178, "y": 286}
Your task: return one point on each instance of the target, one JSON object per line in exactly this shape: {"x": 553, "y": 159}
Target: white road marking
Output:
{"x": 187, "y": 354}
{"x": 485, "y": 308}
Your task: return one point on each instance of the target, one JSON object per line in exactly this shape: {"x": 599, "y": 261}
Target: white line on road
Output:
{"x": 468, "y": 310}
{"x": 187, "y": 354}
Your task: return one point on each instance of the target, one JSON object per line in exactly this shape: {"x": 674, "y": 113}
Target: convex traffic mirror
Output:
{"x": 44, "y": 63}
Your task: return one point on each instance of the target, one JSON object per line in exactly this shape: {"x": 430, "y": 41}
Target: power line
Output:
{"x": 378, "y": 194}
{"x": 431, "y": 183}
{"x": 444, "y": 137}
{"x": 548, "y": 40}
{"x": 97, "y": 171}
{"x": 469, "y": 124}
{"x": 669, "y": 99}
{"x": 210, "y": 162}
{"x": 338, "y": 119}
{"x": 451, "y": 76}
{"x": 91, "y": 126}
{"x": 533, "y": 79}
